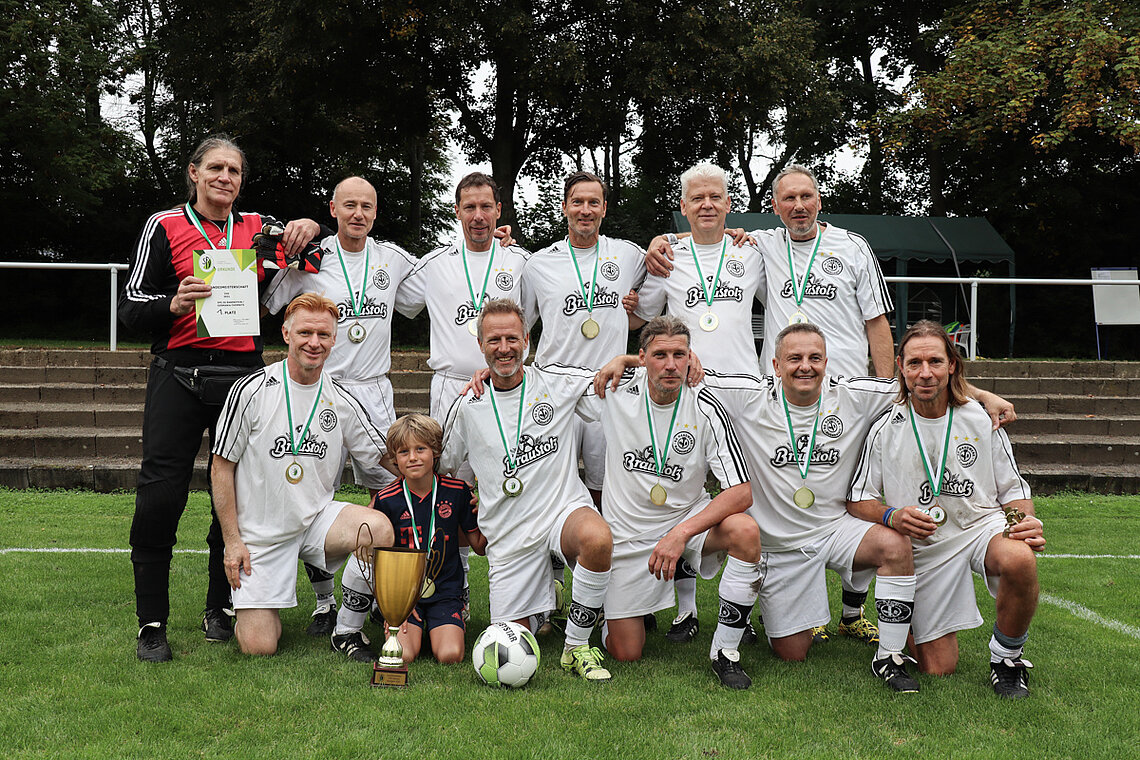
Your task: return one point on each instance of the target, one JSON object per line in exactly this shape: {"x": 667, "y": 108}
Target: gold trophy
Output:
{"x": 396, "y": 576}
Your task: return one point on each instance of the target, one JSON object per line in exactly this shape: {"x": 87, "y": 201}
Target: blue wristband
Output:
{"x": 886, "y": 518}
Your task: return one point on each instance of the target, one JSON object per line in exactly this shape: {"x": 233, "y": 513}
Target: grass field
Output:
{"x": 71, "y": 686}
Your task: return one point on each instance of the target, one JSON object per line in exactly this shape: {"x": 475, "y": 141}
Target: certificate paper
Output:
{"x": 231, "y": 309}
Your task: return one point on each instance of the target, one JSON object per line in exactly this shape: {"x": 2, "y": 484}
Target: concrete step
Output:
{"x": 1042, "y": 368}
{"x": 1076, "y": 424}
{"x": 1048, "y": 479}
{"x": 1066, "y": 386}
{"x": 1086, "y": 450}
{"x": 36, "y": 415}
{"x": 29, "y": 375}
{"x": 1110, "y": 406}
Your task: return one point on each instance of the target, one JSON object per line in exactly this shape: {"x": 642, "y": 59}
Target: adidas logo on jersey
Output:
{"x": 406, "y": 516}
{"x": 898, "y": 419}
{"x": 632, "y": 390}
{"x": 271, "y": 382}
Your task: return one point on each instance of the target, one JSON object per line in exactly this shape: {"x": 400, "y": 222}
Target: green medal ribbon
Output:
{"x": 356, "y": 309}
{"x": 289, "y": 409}
{"x": 935, "y": 484}
{"x": 709, "y": 293}
{"x": 486, "y": 276}
{"x": 229, "y": 229}
{"x": 660, "y": 458}
{"x": 798, "y": 293}
{"x": 412, "y": 513}
{"x": 588, "y": 298}
{"x": 806, "y": 464}
{"x": 522, "y": 402}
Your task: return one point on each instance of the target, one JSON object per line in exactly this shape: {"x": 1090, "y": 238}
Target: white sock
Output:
{"x": 587, "y": 595}
{"x": 356, "y": 598}
{"x": 894, "y": 603}
{"x": 739, "y": 587}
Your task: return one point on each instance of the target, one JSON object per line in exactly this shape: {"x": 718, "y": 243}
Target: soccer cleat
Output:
{"x": 892, "y": 669}
{"x": 324, "y": 620}
{"x": 1010, "y": 677}
{"x": 819, "y": 635}
{"x": 218, "y": 625}
{"x": 353, "y": 645}
{"x": 585, "y": 661}
{"x": 650, "y": 621}
{"x": 466, "y": 597}
{"x": 153, "y": 646}
{"x": 684, "y": 628}
{"x": 749, "y": 636}
{"x": 860, "y": 629}
{"x": 726, "y": 665}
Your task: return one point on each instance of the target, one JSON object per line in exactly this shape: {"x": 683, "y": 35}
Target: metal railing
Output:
{"x": 973, "y": 282}
{"x": 112, "y": 268}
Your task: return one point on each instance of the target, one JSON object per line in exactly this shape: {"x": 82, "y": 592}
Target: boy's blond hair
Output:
{"x": 416, "y": 427}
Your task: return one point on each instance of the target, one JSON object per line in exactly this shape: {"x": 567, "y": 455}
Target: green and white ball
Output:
{"x": 505, "y": 654}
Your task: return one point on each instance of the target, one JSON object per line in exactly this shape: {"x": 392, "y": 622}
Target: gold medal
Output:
{"x": 294, "y": 472}
{"x": 708, "y": 321}
{"x": 803, "y": 497}
{"x": 938, "y": 515}
{"x": 797, "y": 318}
{"x": 657, "y": 495}
{"x": 512, "y": 486}
{"x": 429, "y": 589}
{"x": 472, "y": 328}
{"x": 356, "y": 332}
{"x": 590, "y": 329}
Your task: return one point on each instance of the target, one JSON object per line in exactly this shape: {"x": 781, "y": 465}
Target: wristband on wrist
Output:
{"x": 671, "y": 239}
{"x": 886, "y": 518}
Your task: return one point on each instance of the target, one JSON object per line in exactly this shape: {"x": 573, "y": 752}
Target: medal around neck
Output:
{"x": 937, "y": 514}
{"x": 512, "y": 486}
{"x": 709, "y": 321}
{"x": 294, "y": 473}
{"x": 803, "y": 498}
{"x": 473, "y": 328}
{"x": 590, "y": 329}
{"x": 797, "y": 318}
{"x": 357, "y": 333}
{"x": 658, "y": 495}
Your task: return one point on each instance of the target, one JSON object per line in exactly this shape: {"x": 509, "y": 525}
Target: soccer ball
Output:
{"x": 506, "y": 654}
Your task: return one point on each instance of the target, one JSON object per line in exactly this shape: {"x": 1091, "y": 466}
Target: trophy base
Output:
{"x": 383, "y": 675}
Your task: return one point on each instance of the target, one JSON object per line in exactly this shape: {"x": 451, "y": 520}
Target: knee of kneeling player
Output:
{"x": 257, "y": 645}
{"x": 744, "y": 538}
{"x": 623, "y": 651}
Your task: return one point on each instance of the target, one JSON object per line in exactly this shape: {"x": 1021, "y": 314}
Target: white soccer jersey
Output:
{"x": 547, "y": 460}
{"x": 730, "y": 347}
{"x": 703, "y": 439}
{"x": 844, "y": 290}
{"x": 847, "y": 409}
{"x": 980, "y": 472}
{"x": 253, "y": 431}
{"x": 554, "y": 293}
{"x": 388, "y": 265}
{"x": 439, "y": 282}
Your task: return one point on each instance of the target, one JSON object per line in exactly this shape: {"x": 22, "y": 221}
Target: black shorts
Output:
{"x": 439, "y": 612}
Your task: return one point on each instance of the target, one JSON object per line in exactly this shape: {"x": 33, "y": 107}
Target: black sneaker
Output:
{"x": 650, "y": 622}
{"x": 749, "y": 636}
{"x": 1010, "y": 677}
{"x": 684, "y": 628}
{"x": 152, "y": 643}
{"x": 324, "y": 620}
{"x": 353, "y": 645}
{"x": 217, "y": 625}
{"x": 728, "y": 670}
{"x": 892, "y": 669}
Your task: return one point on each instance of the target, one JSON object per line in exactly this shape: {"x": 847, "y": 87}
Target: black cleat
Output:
{"x": 353, "y": 645}
{"x": 324, "y": 620}
{"x": 728, "y": 670}
{"x": 892, "y": 669}
{"x": 153, "y": 646}
{"x": 1010, "y": 677}
{"x": 684, "y": 628}
{"x": 217, "y": 625}
{"x": 749, "y": 636}
{"x": 650, "y": 621}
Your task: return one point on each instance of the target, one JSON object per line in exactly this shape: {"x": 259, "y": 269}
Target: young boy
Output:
{"x": 432, "y": 513}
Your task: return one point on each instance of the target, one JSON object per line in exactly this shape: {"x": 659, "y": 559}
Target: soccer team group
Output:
{"x": 588, "y": 457}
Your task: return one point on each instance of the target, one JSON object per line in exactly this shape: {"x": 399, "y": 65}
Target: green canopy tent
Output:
{"x": 907, "y": 238}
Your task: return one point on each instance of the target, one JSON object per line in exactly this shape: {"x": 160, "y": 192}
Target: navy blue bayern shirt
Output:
{"x": 453, "y": 512}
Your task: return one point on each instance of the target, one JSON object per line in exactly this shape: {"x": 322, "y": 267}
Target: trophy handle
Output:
{"x": 367, "y": 569}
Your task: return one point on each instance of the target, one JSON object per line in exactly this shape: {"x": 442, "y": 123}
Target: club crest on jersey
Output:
{"x": 785, "y": 457}
{"x": 815, "y": 289}
{"x": 684, "y": 442}
{"x": 381, "y": 279}
{"x": 327, "y": 420}
{"x": 531, "y": 449}
{"x": 504, "y": 281}
{"x": 369, "y": 309}
{"x": 952, "y": 485}
{"x": 542, "y": 413}
{"x": 831, "y": 265}
{"x": 604, "y": 298}
{"x": 642, "y": 461}
{"x": 831, "y": 426}
{"x": 735, "y": 267}
{"x": 967, "y": 454}
{"x": 610, "y": 270}
{"x": 467, "y": 312}
{"x": 723, "y": 292}
{"x": 444, "y": 509}
{"x": 311, "y": 446}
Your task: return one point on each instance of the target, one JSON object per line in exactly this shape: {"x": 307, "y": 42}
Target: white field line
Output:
{"x": 1084, "y": 613}
{"x": 80, "y": 550}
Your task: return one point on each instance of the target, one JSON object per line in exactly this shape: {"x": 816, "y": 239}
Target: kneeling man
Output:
{"x": 933, "y": 470}
{"x": 662, "y": 438}
{"x": 287, "y": 425}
